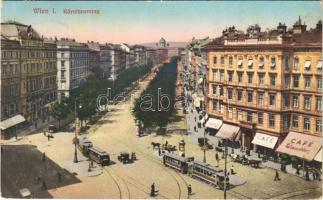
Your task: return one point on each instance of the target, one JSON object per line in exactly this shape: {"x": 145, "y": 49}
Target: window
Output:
{"x": 229, "y": 93}
{"x": 286, "y": 81}
{"x": 260, "y": 118}
{"x": 295, "y": 101}
{"x": 271, "y": 120}
{"x": 250, "y": 63}
{"x": 240, "y": 77}
{"x": 286, "y": 121}
{"x": 222, "y": 60}
{"x": 272, "y": 99}
{"x": 318, "y": 103}
{"x": 240, "y": 62}
{"x": 249, "y": 116}
{"x": 319, "y": 125}
{"x": 261, "y": 98}
{"x": 214, "y": 89}
{"x": 307, "y": 103}
{"x": 230, "y": 113}
{"x": 239, "y": 115}
{"x": 62, "y": 74}
{"x": 296, "y": 63}
{"x": 307, "y": 123}
{"x": 63, "y": 63}
{"x": 230, "y": 74}
{"x": 307, "y": 82}
{"x": 250, "y": 76}
{"x": 261, "y": 79}
{"x": 250, "y": 97}
{"x": 214, "y": 105}
{"x": 239, "y": 95}
{"x": 286, "y": 62}
{"x": 261, "y": 62}
{"x": 319, "y": 65}
{"x": 221, "y": 90}
{"x": 272, "y": 80}
{"x": 319, "y": 83}
{"x": 272, "y": 63}
{"x": 307, "y": 65}
{"x": 221, "y": 75}
{"x": 286, "y": 100}
{"x": 214, "y": 60}
{"x": 230, "y": 60}
{"x": 62, "y": 55}
{"x": 213, "y": 75}
{"x": 295, "y": 82}
{"x": 295, "y": 121}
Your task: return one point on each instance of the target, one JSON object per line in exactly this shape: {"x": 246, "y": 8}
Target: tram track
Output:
{"x": 115, "y": 181}
{"x": 293, "y": 193}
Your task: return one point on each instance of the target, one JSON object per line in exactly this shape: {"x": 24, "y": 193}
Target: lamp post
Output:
{"x": 225, "y": 170}
{"x": 204, "y": 148}
{"x": 75, "y": 137}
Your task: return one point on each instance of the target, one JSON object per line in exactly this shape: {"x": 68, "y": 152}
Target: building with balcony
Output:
{"x": 72, "y": 65}
{"x": 262, "y": 86}
{"x": 28, "y": 74}
{"x": 94, "y": 59}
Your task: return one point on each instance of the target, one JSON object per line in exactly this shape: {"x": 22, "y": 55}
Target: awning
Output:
{"x": 239, "y": 62}
{"x": 197, "y": 102}
{"x": 11, "y": 122}
{"x": 213, "y": 123}
{"x": 307, "y": 64}
{"x": 273, "y": 64}
{"x": 250, "y": 62}
{"x": 200, "y": 80}
{"x": 261, "y": 64}
{"x": 319, "y": 65}
{"x": 318, "y": 156}
{"x": 204, "y": 118}
{"x": 228, "y": 131}
{"x": 265, "y": 140}
{"x": 301, "y": 145}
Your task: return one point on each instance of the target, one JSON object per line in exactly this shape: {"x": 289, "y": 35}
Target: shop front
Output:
{"x": 247, "y": 135}
{"x": 10, "y": 126}
{"x": 230, "y": 134}
{"x": 265, "y": 144}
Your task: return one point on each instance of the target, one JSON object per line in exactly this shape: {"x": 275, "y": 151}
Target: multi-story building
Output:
{"x": 94, "y": 59}
{"x": 72, "y": 65}
{"x": 106, "y": 60}
{"x": 140, "y": 54}
{"x": 28, "y": 73}
{"x": 151, "y": 56}
{"x": 161, "y": 55}
{"x": 263, "y": 86}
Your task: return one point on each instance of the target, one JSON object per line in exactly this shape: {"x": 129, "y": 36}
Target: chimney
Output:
{"x": 298, "y": 27}
{"x": 319, "y": 25}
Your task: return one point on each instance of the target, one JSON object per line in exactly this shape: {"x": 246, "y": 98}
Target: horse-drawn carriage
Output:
{"x": 245, "y": 160}
{"x": 125, "y": 157}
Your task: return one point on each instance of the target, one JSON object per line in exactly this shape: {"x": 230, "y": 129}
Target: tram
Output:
{"x": 99, "y": 156}
{"x": 84, "y": 145}
{"x": 176, "y": 162}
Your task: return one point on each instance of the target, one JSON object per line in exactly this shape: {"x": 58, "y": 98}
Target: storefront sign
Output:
{"x": 265, "y": 140}
{"x": 300, "y": 145}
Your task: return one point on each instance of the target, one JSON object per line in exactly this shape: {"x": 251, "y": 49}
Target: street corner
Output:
{"x": 83, "y": 168}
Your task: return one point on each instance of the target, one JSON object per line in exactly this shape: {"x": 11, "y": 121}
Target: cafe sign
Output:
{"x": 265, "y": 140}
{"x": 300, "y": 145}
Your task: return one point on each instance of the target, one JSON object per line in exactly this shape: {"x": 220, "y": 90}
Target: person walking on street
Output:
{"x": 277, "y": 176}
{"x": 44, "y": 187}
{"x": 189, "y": 190}
{"x": 217, "y": 159}
{"x": 232, "y": 170}
{"x": 159, "y": 151}
{"x": 152, "y": 190}
{"x": 44, "y": 157}
{"x": 48, "y": 137}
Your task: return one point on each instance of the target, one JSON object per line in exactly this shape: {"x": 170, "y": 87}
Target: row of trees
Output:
{"x": 83, "y": 99}
{"x": 152, "y": 108}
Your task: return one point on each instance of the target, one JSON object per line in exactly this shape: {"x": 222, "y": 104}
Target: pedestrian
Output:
{"x": 152, "y": 190}
{"x": 159, "y": 151}
{"x": 92, "y": 164}
{"x": 38, "y": 179}
{"x": 48, "y": 137}
{"x": 195, "y": 128}
{"x": 297, "y": 170}
{"x": 232, "y": 170}
{"x": 189, "y": 190}
{"x": 44, "y": 157}
{"x": 44, "y": 187}
{"x": 217, "y": 159}
{"x": 307, "y": 177}
{"x": 59, "y": 176}
{"x": 45, "y": 133}
{"x": 277, "y": 176}
{"x": 16, "y": 136}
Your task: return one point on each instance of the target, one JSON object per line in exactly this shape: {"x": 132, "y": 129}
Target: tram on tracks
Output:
{"x": 84, "y": 145}
{"x": 99, "y": 156}
{"x": 176, "y": 162}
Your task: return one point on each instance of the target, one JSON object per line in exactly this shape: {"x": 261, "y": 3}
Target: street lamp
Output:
{"x": 225, "y": 169}
{"x": 204, "y": 147}
{"x": 75, "y": 137}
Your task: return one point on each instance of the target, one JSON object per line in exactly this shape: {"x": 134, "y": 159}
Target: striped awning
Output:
{"x": 307, "y": 64}
{"x": 318, "y": 156}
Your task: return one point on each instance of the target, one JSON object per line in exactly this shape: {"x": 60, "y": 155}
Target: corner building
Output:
{"x": 265, "y": 84}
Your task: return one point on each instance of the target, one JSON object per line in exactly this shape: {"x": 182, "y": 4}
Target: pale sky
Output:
{"x": 141, "y": 22}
